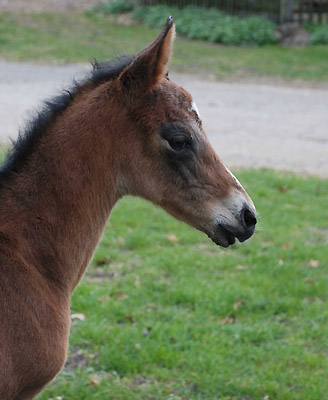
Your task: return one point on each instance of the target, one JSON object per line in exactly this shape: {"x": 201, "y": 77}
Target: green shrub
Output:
{"x": 319, "y": 35}
{"x": 115, "y": 6}
{"x": 210, "y": 24}
{"x": 153, "y": 17}
{"x": 310, "y": 26}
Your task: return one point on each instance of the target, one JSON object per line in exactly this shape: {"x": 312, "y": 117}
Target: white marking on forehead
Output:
{"x": 194, "y": 107}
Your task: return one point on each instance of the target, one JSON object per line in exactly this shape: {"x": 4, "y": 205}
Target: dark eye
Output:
{"x": 179, "y": 142}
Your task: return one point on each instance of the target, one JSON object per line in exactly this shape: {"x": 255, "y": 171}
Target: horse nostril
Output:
{"x": 248, "y": 217}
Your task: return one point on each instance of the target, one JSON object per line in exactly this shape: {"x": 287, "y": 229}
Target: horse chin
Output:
{"x": 225, "y": 235}
{"x": 222, "y": 237}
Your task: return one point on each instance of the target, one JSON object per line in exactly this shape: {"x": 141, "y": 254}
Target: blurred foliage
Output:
{"x": 319, "y": 34}
{"x": 53, "y": 37}
{"x": 116, "y": 6}
{"x": 211, "y": 25}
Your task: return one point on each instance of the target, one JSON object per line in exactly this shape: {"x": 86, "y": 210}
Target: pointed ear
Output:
{"x": 151, "y": 64}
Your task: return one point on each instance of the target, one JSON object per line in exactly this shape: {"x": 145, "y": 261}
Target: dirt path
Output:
{"x": 250, "y": 125}
{"x": 46, "y": 5}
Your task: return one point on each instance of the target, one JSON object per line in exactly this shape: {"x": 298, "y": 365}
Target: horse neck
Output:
{"x": 61, "y": 199}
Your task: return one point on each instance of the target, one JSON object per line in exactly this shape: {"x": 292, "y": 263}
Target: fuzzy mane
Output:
{"x": 29, "y": 137}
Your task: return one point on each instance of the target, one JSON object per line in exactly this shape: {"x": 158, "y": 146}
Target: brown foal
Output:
{"x": 127, "y": 129}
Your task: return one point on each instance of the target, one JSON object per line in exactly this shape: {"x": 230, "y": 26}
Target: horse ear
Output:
{"x": 151, "y": 64}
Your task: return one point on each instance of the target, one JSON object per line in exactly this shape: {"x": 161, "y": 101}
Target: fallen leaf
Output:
{"x": 241, "y": 267}
{"x": 140, "y": 380}
{"x": 80, "y": 317}
{"x": 120, "y": 240}
{"x": 238, "y": 304}
{"x": 102, "y": 261}
{"x": 95, "y": 380}
{"x": 314, "y": 263}
{"x": 117, "y": 265}
{"x": 120, "y": 295}
{"x": 147, "y": 331}
{"x": 228, "y": 320}
{"x": 104, "y": 299}
{"x": 172, "y": 238}
{"x": 130, "y": 318}
{"x": 137, "y": 281}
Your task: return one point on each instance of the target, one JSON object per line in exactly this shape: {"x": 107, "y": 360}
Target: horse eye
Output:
{"x": 178, "y": 143}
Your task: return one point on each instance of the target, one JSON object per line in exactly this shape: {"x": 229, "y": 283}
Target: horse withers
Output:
{"x": 126, "y": 129}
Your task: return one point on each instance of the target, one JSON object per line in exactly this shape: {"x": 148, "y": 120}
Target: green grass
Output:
{"x": 78, "y": 37}
{"x": 180, "y": 318}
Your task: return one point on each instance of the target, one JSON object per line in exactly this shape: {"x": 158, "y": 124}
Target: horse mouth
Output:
{"x": 226, "y": 236}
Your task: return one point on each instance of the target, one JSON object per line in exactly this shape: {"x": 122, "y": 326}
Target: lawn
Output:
{"x": 162, "y": 313}
{"x": 79, "y": 37}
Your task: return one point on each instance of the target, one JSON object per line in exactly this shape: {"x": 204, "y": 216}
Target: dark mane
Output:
{"x": 52, "y": 108}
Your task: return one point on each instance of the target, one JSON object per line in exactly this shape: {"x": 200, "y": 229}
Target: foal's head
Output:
{"x": 166, "y": 156}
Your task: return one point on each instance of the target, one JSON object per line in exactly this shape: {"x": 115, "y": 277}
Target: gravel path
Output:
{"x": 250, "y": 125}
{"x": 46, "y": 5}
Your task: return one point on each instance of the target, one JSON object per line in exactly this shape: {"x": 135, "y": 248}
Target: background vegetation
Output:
{"x": 79, "y": 37}
{"x": 211, "y": 25}
{"x": 319, "y": 34}
{"x": 116, "y": 7}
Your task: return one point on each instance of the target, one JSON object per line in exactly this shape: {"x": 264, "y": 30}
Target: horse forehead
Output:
{"x": 181, "y": 92}
{"x": 176, "y": 92}
{"x": 186, "y": 94}
{"x": 192, "y": 107}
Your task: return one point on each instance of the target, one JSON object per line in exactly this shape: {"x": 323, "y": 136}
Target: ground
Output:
{"x": 249, "y": 124}
{"x": 41, "y": 5}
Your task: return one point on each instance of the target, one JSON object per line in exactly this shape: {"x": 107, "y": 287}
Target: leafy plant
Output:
{"x": 210, "y": 24}
{"x": 75, "y": 37}
{"x": 116, "y": 6}
{"x": 319, "y": 35}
